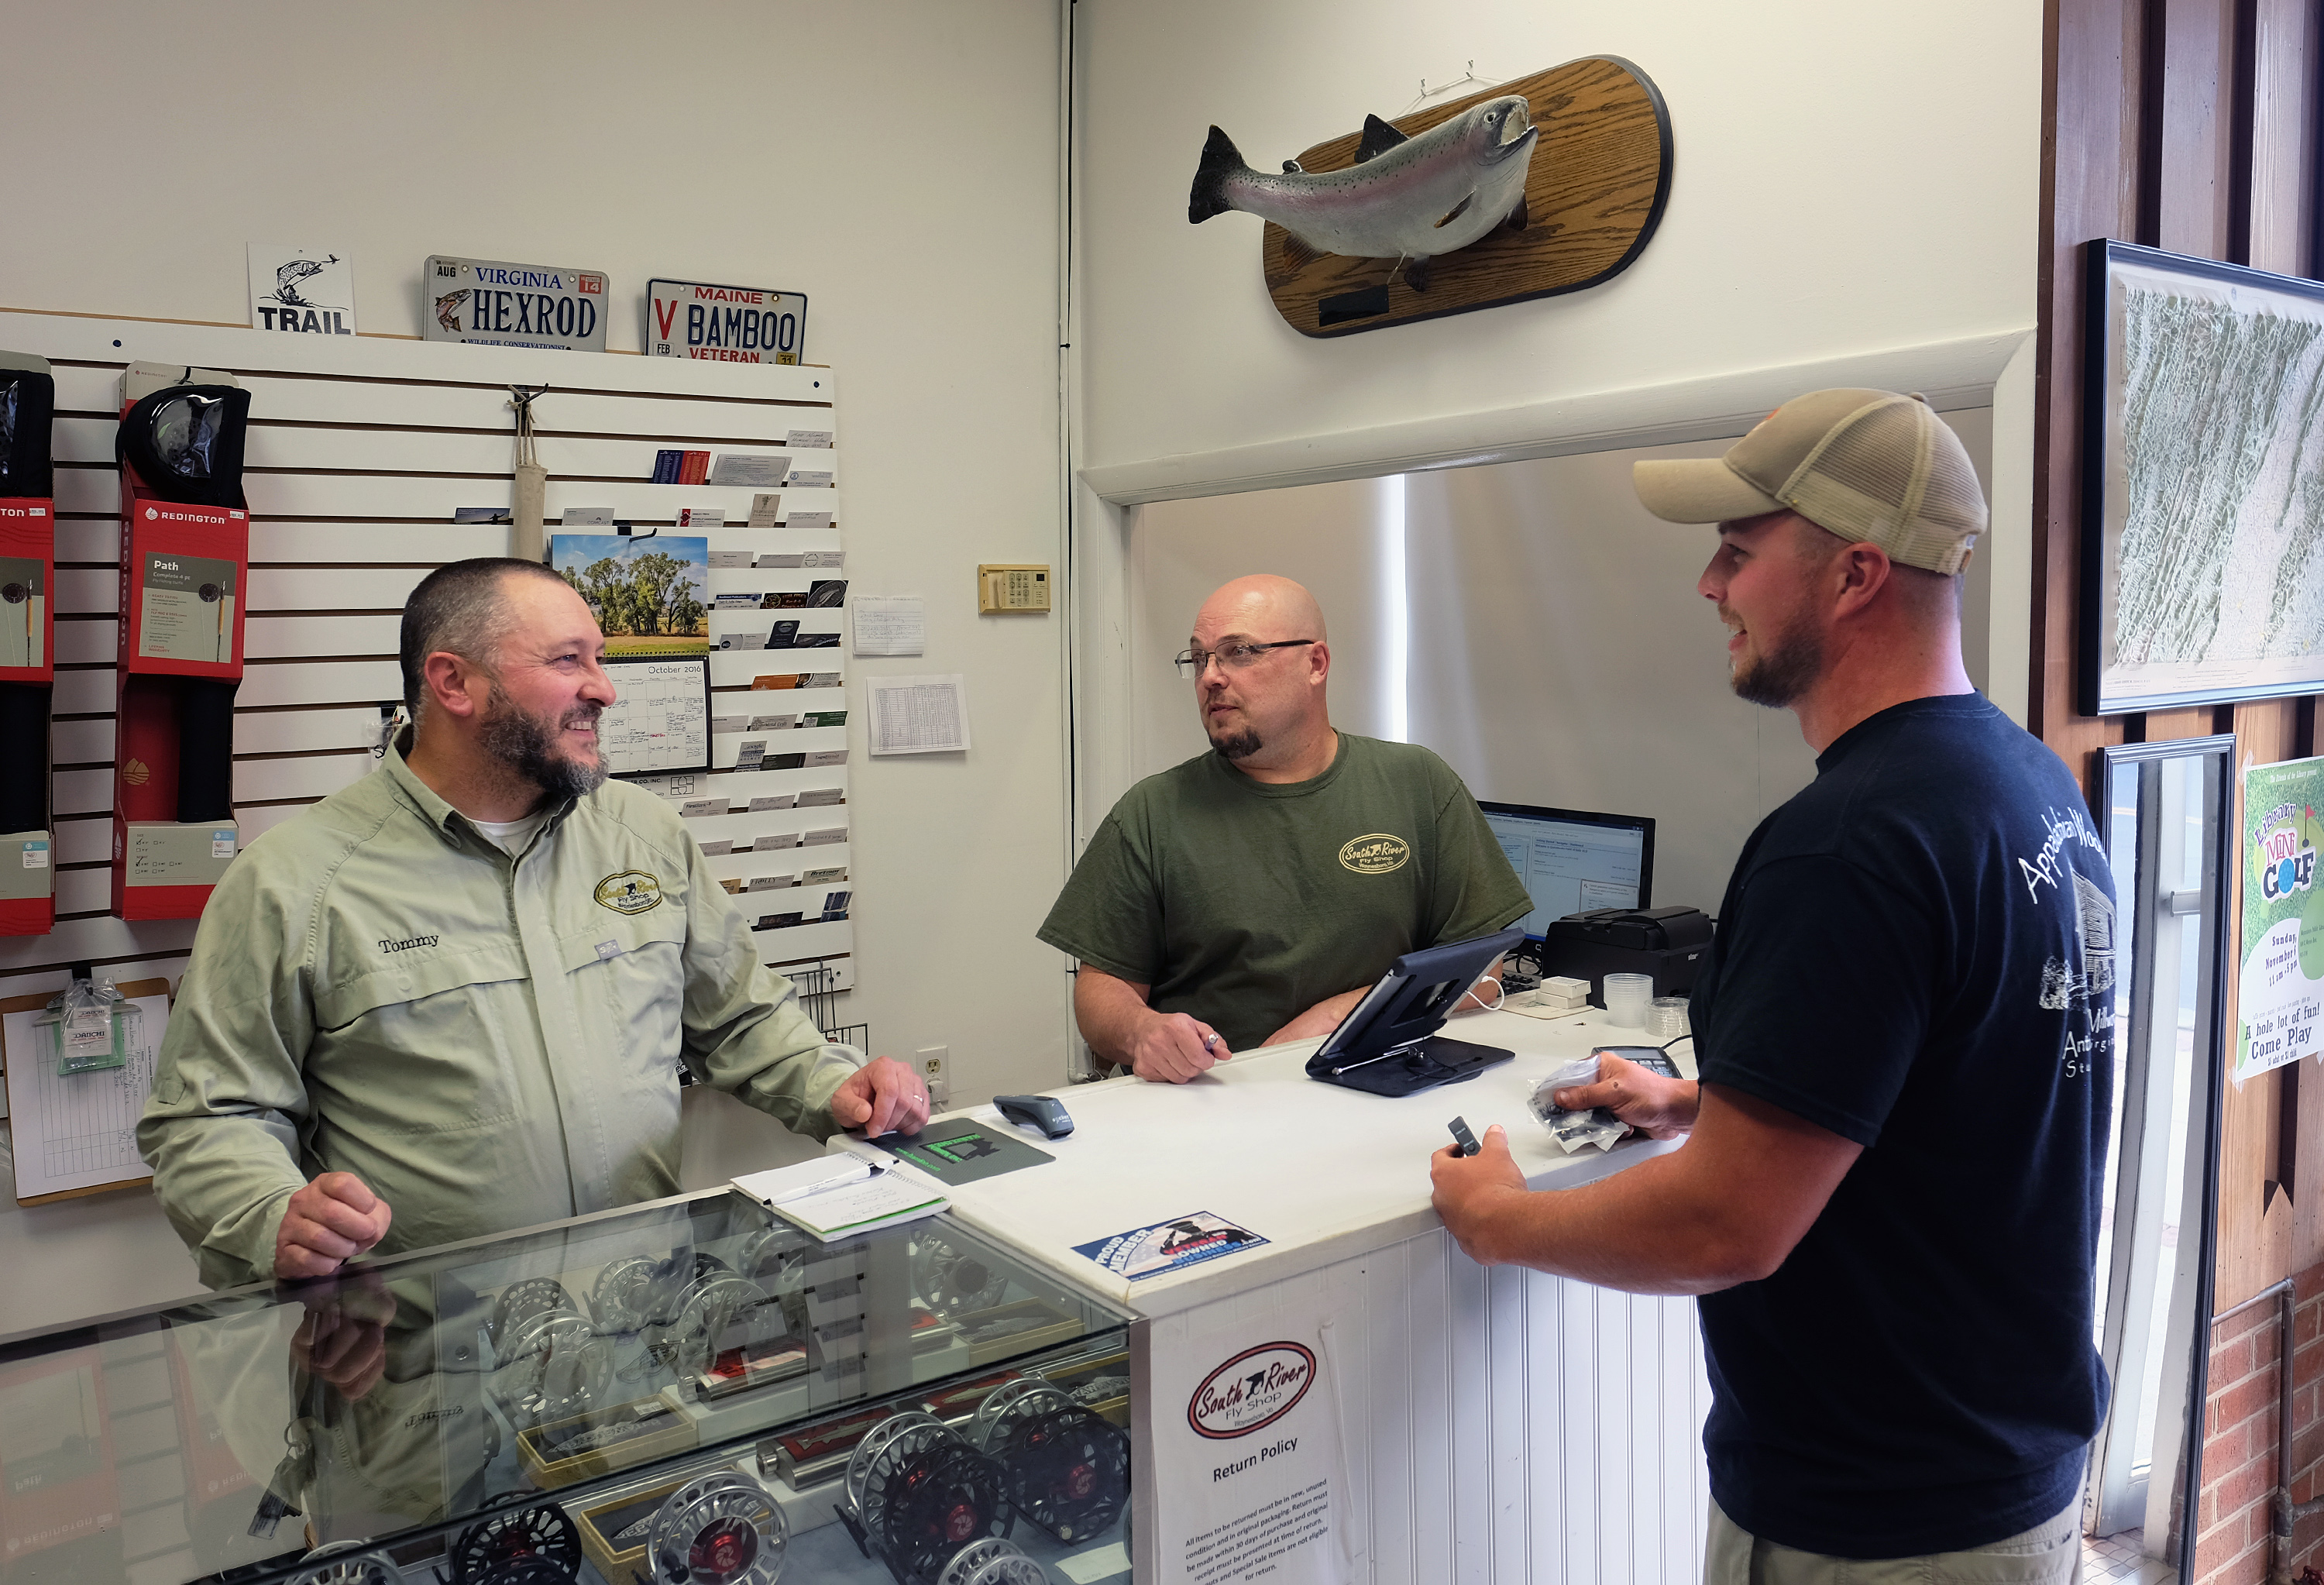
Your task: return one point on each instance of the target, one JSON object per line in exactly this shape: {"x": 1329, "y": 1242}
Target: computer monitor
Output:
{"x": 1572, "y": 861}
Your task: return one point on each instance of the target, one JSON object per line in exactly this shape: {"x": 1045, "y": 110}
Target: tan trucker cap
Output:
{"x": 1866, "y": 464}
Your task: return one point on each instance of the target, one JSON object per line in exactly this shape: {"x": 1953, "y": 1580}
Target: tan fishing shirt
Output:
{"x": 489, "y": 1042}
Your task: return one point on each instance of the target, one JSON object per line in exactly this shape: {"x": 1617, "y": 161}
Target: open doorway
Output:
{"x": 1527, "y": 620}
{"x": 2165, "y": 823}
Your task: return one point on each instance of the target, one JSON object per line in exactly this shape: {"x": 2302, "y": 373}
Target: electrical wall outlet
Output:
{"x": 937, "y": 1073}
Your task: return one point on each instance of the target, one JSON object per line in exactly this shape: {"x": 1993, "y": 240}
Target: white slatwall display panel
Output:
{"x": 360, "y": 450}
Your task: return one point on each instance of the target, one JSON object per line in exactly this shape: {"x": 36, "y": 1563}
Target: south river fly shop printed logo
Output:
{"x": 1375, "y": 853}
{"x": 1251, "y": 1391}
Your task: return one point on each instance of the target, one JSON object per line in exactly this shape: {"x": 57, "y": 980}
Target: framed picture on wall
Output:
{"x": 2202, "y": 483}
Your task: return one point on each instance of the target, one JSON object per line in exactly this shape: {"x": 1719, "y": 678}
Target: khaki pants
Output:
{"x": 2050, "y": 1553}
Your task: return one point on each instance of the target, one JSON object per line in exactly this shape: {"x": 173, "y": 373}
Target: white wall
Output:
{"x": 897, "y": 163}
{"x": 1855, "y": 196}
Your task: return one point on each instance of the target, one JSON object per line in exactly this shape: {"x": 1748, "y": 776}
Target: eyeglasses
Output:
{"x": 1236, "y": 656}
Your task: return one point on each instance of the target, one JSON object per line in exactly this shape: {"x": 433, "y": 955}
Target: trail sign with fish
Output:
{"x": 1547, "y": 184}
{"x": 308, "y": 292}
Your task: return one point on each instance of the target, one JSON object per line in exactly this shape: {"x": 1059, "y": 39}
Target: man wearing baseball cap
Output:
{"x": 1888, "y": 1198}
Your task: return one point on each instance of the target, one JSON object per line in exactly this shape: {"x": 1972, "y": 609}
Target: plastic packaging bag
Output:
{"x": 1574, "y": 1129}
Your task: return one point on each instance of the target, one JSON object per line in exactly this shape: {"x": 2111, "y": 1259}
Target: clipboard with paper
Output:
{"x": 73, "y": 1132}
{"x": 840, "y": 1195}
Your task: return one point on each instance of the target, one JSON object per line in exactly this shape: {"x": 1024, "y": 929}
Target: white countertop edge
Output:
{"x": 1317, "y": 1246}
{"x": 1174, "y": 1292}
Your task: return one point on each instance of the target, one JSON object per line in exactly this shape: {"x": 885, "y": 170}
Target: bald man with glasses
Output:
{"x": 1251, "y": 895}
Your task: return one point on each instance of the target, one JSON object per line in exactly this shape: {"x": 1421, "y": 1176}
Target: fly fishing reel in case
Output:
{"x": 1009, "y": 1404}
{"x": 916, "y": 1494}
{"x": 537, "y": 1545}
{"x": 775, "y": 1258}
{"x": 636, "y": 1291}
{"x": 347, "y": 1562}
{"x": 666, "y": 1337}
{"x": 719, "y": 1315}
{"x": 551, "y": 1363}
{"x": 724, "y": 1529}
{"x": 951, "y": 1281}
{"x": 940, "y": 1500}
{"x": 1068, "y": 1471}
{"x": 520, "y": 1301}
{"x": 871, "y": 1469}
{"x": 994, "y": 1561}
{"x": 527, "y": 1571}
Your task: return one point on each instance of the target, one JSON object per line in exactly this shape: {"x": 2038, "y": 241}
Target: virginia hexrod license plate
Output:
{"x": 513, "y": 305}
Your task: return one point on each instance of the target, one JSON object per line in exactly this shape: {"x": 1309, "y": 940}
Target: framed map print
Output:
{"x": 2202, "y": 483}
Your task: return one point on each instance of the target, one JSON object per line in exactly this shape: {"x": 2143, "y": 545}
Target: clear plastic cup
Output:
{"x": 1627, "y": 998}
{"x": 1666, "y": 1016}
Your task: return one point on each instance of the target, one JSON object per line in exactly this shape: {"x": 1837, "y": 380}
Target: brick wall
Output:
{"x": 2239, "y": 1439}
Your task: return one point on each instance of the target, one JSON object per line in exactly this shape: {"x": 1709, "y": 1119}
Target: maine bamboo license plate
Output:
{"x": 725, "y": 324}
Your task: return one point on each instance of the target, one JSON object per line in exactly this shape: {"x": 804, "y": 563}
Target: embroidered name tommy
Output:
{"x": 407, "y": 945}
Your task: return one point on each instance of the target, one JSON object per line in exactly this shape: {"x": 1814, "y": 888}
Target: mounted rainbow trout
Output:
{"x": 1413, "y": 199}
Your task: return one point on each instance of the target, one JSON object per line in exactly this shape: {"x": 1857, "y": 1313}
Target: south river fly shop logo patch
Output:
{"x": 632, "y": 891}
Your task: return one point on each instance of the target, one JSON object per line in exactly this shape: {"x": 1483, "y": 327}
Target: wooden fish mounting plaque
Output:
{"x": 1594, "y": 194}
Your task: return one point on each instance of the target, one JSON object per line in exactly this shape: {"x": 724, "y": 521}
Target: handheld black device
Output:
{"x": 1389, "y": 1046}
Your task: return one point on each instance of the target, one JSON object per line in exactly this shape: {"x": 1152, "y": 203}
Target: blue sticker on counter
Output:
{"x": 1169, "y": 1245}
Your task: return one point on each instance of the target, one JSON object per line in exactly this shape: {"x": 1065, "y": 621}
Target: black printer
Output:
{"x": 1666, "y": 943}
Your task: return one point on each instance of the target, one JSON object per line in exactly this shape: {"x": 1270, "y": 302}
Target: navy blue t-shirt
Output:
{"x": 1917, "y": 953}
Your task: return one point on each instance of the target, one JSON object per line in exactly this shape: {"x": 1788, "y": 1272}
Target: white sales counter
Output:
{"x": 1466, "y": 1424}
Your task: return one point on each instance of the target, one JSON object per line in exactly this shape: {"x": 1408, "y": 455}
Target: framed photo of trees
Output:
{"x": 650, "y": 594}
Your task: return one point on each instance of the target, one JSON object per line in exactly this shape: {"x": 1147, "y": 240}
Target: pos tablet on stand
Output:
{"x": 1389, "y": 1046}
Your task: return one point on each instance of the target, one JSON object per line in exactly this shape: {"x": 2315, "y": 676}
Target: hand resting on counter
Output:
{"x": 327, "y": 1224}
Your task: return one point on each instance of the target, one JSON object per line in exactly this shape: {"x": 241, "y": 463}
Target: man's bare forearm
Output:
{"x": 1726, "y": 1209}
{"x": 1109, "y": 1009}
{"x": 1643, "y": 1230}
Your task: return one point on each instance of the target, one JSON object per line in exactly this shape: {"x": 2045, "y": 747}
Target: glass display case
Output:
{"x": 691, "y": 1392}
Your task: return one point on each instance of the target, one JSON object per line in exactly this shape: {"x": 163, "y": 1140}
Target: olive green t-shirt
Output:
{"x": 1244, "y": 903}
